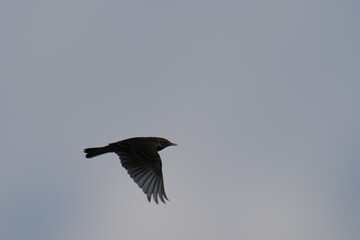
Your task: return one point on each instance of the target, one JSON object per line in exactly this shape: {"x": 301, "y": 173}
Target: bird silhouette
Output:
{"x": 140, "y": 157}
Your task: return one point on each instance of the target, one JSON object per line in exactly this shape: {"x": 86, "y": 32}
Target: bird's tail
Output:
{"x": 93, "y": 152}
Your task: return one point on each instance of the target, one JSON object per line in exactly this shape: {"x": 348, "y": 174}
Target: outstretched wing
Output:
{"x": 144, "y": 167}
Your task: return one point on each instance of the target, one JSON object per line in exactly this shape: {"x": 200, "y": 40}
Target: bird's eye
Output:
{"x": 163, "y": 143}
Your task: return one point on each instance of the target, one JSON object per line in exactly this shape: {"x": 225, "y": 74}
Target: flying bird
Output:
{"x": 140, "y": 157}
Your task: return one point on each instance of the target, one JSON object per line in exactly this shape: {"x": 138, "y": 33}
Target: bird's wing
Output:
{"x": 144, "y": 167}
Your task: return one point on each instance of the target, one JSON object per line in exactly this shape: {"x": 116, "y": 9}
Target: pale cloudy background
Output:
{"x": 261, "y": 96}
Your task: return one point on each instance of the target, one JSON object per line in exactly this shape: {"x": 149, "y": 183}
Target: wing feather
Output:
{"x": 145, "y": 168}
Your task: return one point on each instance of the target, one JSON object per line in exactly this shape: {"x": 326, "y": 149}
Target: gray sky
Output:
{"x": 261, "y": 96}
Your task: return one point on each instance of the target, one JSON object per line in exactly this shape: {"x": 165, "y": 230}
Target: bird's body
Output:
{"x": 140, "y": 157}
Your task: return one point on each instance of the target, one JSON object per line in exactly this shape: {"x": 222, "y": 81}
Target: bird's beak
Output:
{"x": 173, "y": 144}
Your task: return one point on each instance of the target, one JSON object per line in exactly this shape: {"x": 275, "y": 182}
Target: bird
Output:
{"x": 140, "y": 157}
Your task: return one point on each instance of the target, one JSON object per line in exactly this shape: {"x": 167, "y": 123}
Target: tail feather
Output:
{"x": 93, "y": 152}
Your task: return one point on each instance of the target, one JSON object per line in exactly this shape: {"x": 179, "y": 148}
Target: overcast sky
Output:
{"x": 262, "y": 98}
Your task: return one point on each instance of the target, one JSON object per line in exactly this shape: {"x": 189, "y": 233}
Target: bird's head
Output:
{"x": 163, "y": 143}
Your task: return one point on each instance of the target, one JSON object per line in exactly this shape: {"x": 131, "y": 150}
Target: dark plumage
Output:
{"x": 140, "y": 157}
